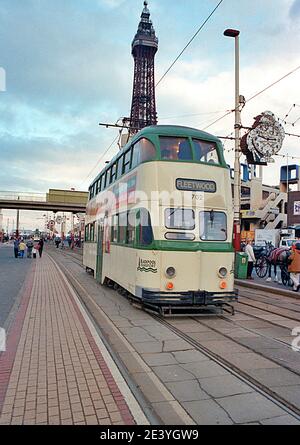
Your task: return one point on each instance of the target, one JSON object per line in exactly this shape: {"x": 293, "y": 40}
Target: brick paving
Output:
{"x": 53, "y": 371}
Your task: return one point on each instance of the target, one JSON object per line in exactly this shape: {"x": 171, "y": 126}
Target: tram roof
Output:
{"x": 161, "y": 130}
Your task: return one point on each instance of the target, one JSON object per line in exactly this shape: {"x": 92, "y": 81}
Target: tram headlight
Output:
{"x": 223, "y": 272}
{"x": 170, "y": 272}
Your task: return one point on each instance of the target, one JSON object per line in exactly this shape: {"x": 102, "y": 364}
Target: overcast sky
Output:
{"x": 68, "y": 66}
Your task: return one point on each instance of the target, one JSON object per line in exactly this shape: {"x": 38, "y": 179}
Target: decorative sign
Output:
{"x": 147, "y": 266}
{"x": 296, "y": 208}
{"x": 58, "y": 219}
{"x": 196, "y": 185}
{"x": 264, "y": 140}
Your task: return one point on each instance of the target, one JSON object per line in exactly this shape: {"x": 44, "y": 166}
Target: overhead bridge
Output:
{"x": 53, "y": 201}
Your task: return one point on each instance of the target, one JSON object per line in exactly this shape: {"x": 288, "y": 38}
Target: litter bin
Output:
{"x": 241, "y": 265}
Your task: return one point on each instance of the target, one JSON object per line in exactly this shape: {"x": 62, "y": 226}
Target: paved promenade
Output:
{"x": 56, "y": 369}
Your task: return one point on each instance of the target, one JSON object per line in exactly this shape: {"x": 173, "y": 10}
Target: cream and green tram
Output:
{"x": 160, "y": 220}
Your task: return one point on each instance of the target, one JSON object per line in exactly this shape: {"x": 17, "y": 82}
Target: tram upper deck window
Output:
{"x": 213, "y": 226}
{"x": 175, "y": 149}
{"x": 127, "y": 161}
{"x": 98, "y": 189}
{"x": 143, "y": 151}
{"x": 206, "y": 151}
{"x": 182, "y": 219}
{"x": 120, "y": 167}
{"x": 113, "y": 173}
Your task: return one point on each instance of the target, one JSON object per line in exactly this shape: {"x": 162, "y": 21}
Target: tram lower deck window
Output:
{"x": 182, "y": 219}
{"x": 213, "y": 226}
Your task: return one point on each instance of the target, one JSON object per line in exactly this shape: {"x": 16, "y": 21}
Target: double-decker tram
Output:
{"x": 159, "y": 222}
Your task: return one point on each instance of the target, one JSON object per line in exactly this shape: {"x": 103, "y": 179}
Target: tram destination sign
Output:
{"x": 196, "y": 185}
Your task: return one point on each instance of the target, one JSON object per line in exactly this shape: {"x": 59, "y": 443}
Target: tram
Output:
{"x": 159, "y": 222}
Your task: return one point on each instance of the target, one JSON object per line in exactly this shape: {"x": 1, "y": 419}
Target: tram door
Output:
{"x": 100, "y": 244}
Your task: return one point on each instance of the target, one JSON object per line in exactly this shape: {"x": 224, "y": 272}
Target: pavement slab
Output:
{"x": 205, "y": 369}
{"x": 187, "y": 391}
{"x": 207, "y": 412}
{"x": 223, "y": 386}
{"x": 173, "y": 373}
{"x": 250, "y": 407}
{"x": 275, "y": 377}
{"x": 164, "y": 358}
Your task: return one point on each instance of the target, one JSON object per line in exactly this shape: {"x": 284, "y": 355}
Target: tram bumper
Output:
{"x": 189, "y": 298}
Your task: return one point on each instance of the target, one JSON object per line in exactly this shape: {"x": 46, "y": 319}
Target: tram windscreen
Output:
{"x": 182, "y": 219}
{"x": 213, "y": 226}
{"x": 175, "y": 149}
{"x": 206, "y": 151}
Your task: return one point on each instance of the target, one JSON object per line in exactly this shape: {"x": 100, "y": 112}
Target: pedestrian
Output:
{"x": 57, "y": 241}
{"x": 251, "y": 259}
{"x": 29, "y": 245}
{"x": 34, "y": 252}
{"x": 41, "y": 247}
{"x": 294, "y": 266}
{"x": 22, "y": 248}
{"x": 16, "y": 247}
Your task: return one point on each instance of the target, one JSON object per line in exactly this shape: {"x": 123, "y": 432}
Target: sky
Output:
{"x": 66, "y": 65}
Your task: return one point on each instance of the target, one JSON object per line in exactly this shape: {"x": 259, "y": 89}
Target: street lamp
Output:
{"x": 237, "y": 127}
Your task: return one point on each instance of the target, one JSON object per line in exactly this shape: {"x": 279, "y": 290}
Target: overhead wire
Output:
{"x": 100, "y": 159}
{"x": 189, "y": 42}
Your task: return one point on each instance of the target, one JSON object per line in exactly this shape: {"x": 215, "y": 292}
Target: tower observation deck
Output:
{"x": 144, "y": 48}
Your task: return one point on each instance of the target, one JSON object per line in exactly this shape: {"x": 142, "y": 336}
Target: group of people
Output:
{"x": 33, "y": 248}
{"x": 293, "y": 263}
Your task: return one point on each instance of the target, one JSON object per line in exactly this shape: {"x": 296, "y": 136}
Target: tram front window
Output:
{"x": 175, "y": 149}
{"x": 206, "y": 151}
{"x": 182, "y": 219}
{"x": 143, "y": 151}
{"x": 213, "y": 226}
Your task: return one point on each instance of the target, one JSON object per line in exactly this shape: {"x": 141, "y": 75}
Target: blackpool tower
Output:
{"x": 144, "y": 48}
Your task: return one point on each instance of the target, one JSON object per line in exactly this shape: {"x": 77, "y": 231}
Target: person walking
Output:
{"x": 294, "y": 266}
{"x": 251, "y": 259}
{"x": 16, "y": 247}
{"x": 29, "y": 245}
{"x": 22, "y": 248}
{"x": 41, "y": 247}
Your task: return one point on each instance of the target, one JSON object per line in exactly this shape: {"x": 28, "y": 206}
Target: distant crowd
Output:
{"x": 31, "y": 247}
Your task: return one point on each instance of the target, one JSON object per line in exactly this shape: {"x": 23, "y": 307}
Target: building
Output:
{"x": 144, "y": 47}
{"x": 262, "y": 206}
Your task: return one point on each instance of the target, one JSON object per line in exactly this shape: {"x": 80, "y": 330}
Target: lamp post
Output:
{"x": 237, "y": 127}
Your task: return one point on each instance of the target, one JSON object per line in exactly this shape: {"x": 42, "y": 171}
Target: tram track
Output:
{"x": 233, "y": 369}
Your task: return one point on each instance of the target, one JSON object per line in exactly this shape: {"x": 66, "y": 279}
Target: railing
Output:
{"x": 22, "y": 196}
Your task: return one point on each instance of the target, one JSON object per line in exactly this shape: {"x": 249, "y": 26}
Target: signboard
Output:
{"x": 263, "y": 140}
{"x": 296, "y": 208}
{"x": 196, "y": 185}
{"x": 247, "y": 235}
{"x": 267, "y": 235}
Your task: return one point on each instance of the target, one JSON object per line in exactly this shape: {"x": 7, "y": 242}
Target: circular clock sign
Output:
{"x": 264, "y": 140}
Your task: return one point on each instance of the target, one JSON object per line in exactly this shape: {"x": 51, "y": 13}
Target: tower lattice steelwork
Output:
{"x": 144, "y": 48}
